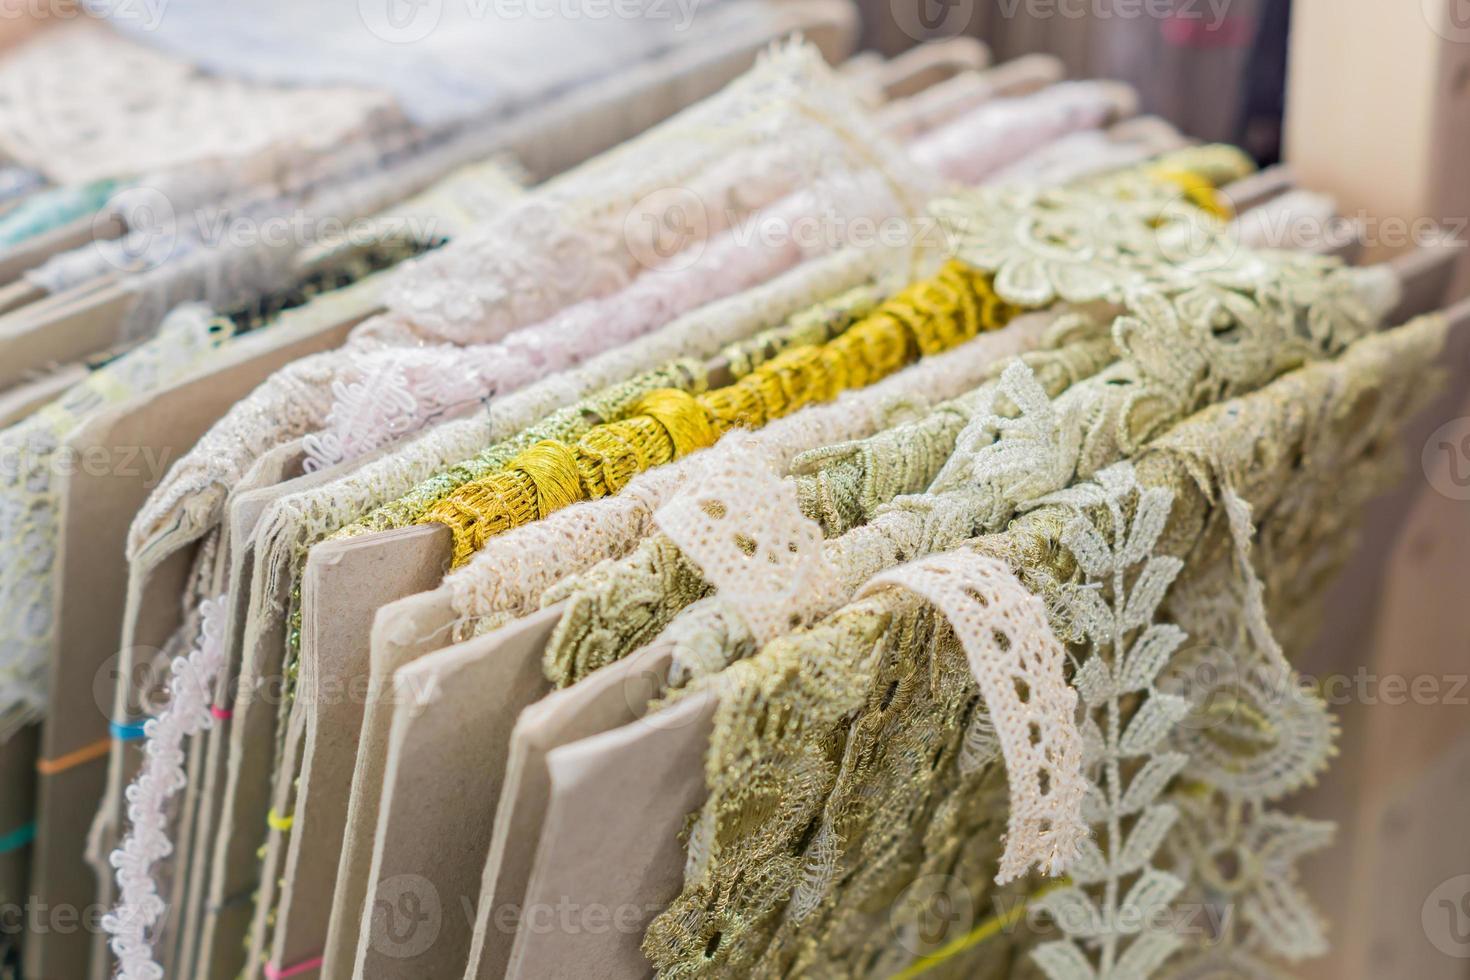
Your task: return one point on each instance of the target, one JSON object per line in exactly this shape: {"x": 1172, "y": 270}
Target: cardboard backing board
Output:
{"x": 434, "y": 820}
{"x": 345, "y": 584}
{"x": 610, "y": 856}
{"x": 608, "y": 698}
{"x": 123, "y": 452}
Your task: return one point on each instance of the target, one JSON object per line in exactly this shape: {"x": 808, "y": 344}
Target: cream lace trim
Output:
{"x": 507, "y": 577}
{"x": 1019, "y": 665}
{"x": 739, "y": 522}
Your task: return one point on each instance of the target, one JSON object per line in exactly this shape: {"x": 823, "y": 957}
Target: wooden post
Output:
{"x": 1378, "y": 111}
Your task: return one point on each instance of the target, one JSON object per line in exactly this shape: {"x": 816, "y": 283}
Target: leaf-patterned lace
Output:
{"x": 861, "y": 747}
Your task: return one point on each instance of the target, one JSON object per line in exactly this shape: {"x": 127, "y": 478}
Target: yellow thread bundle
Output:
{"x": 928, "y": 317}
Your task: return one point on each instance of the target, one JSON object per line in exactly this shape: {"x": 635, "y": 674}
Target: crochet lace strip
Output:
{"x": 1033, "y": 458}
{"x": 1019, "y": 666}
{"x": 929, "y": 317}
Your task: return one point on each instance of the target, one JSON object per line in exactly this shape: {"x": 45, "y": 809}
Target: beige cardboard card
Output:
{"x": 610, "y": 856}
{"x": 345, "y": 584}
{"x": 253, "y": 687}
{"x": 609, "y": 698}
{"x": 23, "y": 399}
{"x": 123, "y": 452}
{"x": 402, "y": 633}
{"x": 60, "y": 330}
{"x": 246, "y": 507}
{"x": 453, "y": 707}
{"x": 16, "y": 261}
{"x": 17, "y": 812}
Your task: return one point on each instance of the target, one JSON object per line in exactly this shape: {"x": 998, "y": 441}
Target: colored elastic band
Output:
{"x": 85, "y": 754}
{"x": 223, "y": 714}
{"x": 282, "y": 972}
{"x": 132, "y": 732}
{"x": 277, "y": 822}
{"x": 17, "y": 838}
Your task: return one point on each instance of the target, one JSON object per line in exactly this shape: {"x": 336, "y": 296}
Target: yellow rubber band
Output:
{"x": 275, "y": 821}
{"x": 986, "y": 930}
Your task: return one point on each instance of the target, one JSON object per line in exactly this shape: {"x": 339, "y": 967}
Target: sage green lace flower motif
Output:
{"x": 1045, "y": 246}
{"x": 1243, "y": 860}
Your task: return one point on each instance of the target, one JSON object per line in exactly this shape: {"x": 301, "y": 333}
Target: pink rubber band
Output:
{"x": 223, "y": 714}
{"x": 281, "y": 973}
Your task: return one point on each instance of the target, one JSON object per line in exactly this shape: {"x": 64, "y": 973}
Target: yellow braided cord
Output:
{"x": 929, "y": 317}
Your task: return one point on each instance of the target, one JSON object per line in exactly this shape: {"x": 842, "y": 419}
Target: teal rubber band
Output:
{"x": 17, "y": 838}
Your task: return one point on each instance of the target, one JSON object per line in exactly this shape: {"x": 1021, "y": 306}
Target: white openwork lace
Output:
{"x": 82, "y": 102}
{"x": 999, "y": 135}
{"x": 140, "y": 907}
{"x": 33, "y": 460}
{"x": 589, "y": 232}
{"x": 1019, "y": 664}
{"x": 766, "y": 570}
{"x": 1115, "y": 607}
{"x": 507, "y": 577}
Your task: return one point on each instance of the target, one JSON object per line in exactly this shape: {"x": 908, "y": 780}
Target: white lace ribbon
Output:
{"x": 1018, "y": 664}
{"x": 140, "y": 907}
{"x": 741, "y": 524}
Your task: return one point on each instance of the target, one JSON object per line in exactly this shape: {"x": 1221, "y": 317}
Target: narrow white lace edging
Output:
{"x": 1018, "y": 663}
{"x": 162, "y": 776}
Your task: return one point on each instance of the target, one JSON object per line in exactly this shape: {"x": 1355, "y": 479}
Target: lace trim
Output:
{"x": 32, "y": 459}
{"x": 140, "y": 907}
{"x": 416, "y": 390}
{"x": 507, "y": 577}
{"x": 765, "y": 569}
{"x": 927, "y": 318}
{"x": 83, "y": 103}
{"x": 1018, "y": 664}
